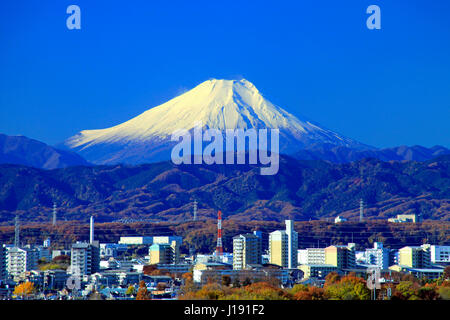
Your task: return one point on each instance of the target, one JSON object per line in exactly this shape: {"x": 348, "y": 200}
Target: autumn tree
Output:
{"x": 210, "y": 291}
{"x": 24, "y": 289}
{"x": 310, "y": 293}
{"x": 161, "y": 286}
{"x": 332, "y": 278}
{"x": 263, "y": 291}
{"x": 143, "y": 293}
{"x": 446, "y": 274}
{"x": 188, "y": 283}
{"x": 428, "y": 293}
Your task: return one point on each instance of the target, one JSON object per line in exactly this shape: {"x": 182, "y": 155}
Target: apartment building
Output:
{"x": 415, "y": 257}
{"x": 85, "y": 258}
{"x": 246, "y": 250}
{"x": 377, "y": 256}
{"x": 283, "y": 246}
{"x": 21, "y": 260}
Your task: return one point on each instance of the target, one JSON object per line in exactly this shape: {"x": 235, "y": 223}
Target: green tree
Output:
{"x": 348, "y": 288}
{"x": 298, "y": 288}
{"x": 407, "y": 290}
{"x": 428, "y": 293}
{"x": 444, "y": 293}
{"x": 131, "y": 291}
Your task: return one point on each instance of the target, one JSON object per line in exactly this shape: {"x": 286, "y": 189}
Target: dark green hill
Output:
{"x": 302, "y": 190}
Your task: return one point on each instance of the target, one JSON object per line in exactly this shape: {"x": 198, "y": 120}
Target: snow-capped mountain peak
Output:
{"x": 218, "y": 104}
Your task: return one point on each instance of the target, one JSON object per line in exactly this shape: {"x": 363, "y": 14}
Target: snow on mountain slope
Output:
{"x": 218, "y": 104}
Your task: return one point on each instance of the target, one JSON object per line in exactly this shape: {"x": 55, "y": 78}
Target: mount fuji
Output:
{"x": 217, "y": 104}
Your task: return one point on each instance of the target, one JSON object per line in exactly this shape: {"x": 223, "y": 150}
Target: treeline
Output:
{"x": 349, "y": 287}
{"x": 201, "y": 236}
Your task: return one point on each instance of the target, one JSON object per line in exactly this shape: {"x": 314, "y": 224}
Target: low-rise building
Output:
{"x": 339, "y": 219}
{"x": 55, "y": 279}
{"x": 108, "y": 250}
{"x": 259, "y": 274}
{"x": 136, "y": 240}
{"x": 402, "y": 218}
{"x": 57, "y": 253}
{"x": 175, "y": 268}
{"x": 428, "y": 273}
{"x": 311, "y": 256}
{"x": 342, "y": 257}
{"x": 318, "y": 271}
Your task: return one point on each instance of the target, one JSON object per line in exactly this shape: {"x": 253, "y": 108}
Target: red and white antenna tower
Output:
{"x": 219, "y": 248}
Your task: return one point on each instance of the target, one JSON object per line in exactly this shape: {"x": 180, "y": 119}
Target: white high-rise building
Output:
{"x": 440, "y": 254}
{"x": 292, "y": 244}
{"x": 377, "y": 256}
{"x": 246, "y": 250}
{"x": 20, "y": 260}
{"x": 91, "y": 230}
{"x": 85, "y": 258}
{"x": 283, "y": 246}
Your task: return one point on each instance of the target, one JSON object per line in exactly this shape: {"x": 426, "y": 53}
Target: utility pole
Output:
{"x": 195, "y": 210}
{"x": 91, "y": 230}
{"x": 361, "y": 210}
{"x": 54, "y": 214}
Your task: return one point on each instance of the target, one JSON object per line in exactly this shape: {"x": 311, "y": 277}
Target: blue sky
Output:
{"x": 383, "y": 87}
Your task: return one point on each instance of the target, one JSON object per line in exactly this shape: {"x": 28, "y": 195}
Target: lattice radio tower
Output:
{"x": 219, "y": 248}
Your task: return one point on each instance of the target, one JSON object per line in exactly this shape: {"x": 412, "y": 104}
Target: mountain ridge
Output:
{"x": 34, "y": 153}
{"x": 302, "y": 190}
{"x": 339, "y": 154}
